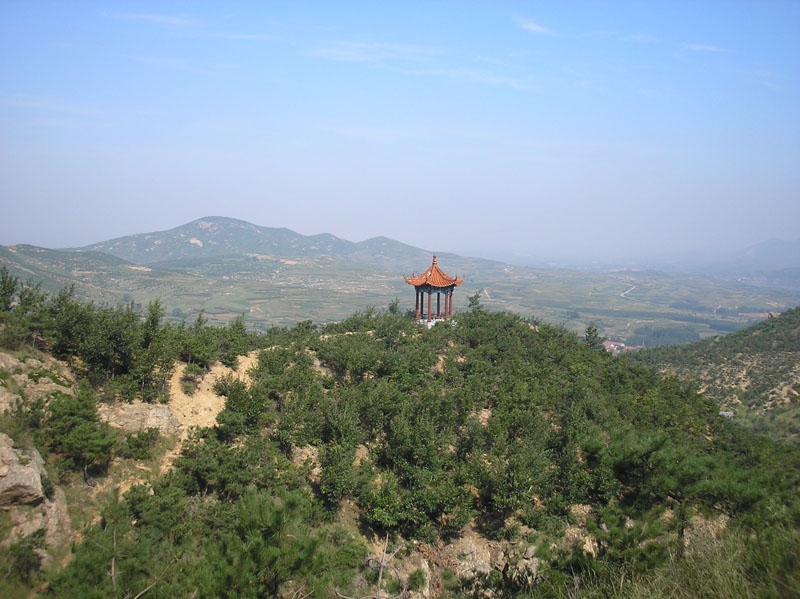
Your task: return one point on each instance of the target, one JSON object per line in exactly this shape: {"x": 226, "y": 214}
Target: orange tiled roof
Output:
{"x": 435, "y": 277}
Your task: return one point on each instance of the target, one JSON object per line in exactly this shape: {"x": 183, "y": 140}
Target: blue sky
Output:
{"x": 586, "y": 129}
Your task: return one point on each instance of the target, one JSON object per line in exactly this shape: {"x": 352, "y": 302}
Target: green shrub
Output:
{"x": 25, "y": 562}
{"x": 138, "y": 445}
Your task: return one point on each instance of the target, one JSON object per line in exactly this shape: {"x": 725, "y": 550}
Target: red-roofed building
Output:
{"x": 433, "y": 280}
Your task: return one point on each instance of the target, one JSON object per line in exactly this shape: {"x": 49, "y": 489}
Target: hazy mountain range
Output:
{"x": 277, "y": 276}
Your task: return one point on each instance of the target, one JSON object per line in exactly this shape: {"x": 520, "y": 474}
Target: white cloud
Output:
{"x": 369, "y": 52}
{"x": 240, "y": 36}
{"x": 47, "y": 104}
{"x": 474, "y": 76}
{"x": 187, "y": 66}
{"x": 529, "y": 25}
{"x": 643, "y": 38}
{"x": 703, "y": 48}
{"x": 157, "y": 19}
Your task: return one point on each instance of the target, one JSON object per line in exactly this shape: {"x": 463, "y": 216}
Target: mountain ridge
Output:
{"x": 215, "y": 236}
{"x": 275, "y": 276}
{"x": 754, "y": 372}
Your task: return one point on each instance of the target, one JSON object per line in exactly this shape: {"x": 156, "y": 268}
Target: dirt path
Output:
{"x": 201, "y": 407}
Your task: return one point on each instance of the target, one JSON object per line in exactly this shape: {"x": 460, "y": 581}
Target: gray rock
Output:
{"x": 50, "y": 515}
{"x": 20, "y": 474}
{"x": 8, "y": 401}
{"x": 138, "y": 416}
{"x": 526, "y": 571}
{"x": 8, "y": 362}
{"x": 44, "y": 389}
{"x": 56, "y": 519}
{"x": 471, "y": 555}
{"x": 45, "y": 559}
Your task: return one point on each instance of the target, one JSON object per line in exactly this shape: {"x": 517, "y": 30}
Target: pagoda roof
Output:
{"x": 435, "y": 277}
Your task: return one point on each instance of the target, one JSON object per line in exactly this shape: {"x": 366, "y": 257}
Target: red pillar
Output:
{"x": 438, "y": 304}
{"x": 446, "y": 305}
{"x": 416, "y": 304}
{"x": 430, "y": 297}
{"x": 449, "y": 305}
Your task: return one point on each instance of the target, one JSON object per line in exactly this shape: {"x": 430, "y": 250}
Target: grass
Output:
{"x": 737, "y": 566}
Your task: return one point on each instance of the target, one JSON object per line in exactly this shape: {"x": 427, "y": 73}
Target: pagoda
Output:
{"x": 433, "y": 280}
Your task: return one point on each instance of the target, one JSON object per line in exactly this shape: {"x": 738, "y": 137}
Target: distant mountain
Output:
{"x": 276, "y": 276}
{"x": 216, "y": 236}
{"x": 754, "y": 372}
{"x": 774, "y": 254}
{"x": 772, "y": 263}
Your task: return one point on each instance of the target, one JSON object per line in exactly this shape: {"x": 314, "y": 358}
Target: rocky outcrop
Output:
{"x": 22, "y": 497}
{"x": 308, "y": 455}
{"x": 34, "y": 379}
{"x": 51, "y": 515}
{"x": 9, "y": 363}
{"x": 21, "y": 474}
{"x": 524, "y": 570}
{"x": 471, "y": 555}
{"x": 8, "y": 401}
{"x": 138, "y": 416}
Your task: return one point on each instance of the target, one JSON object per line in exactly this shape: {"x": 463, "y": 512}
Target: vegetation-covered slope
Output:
{"x": 754, "y": 373}
{"x": 494, "y": 453}
{"x": 216, "y": 236}
{"x": 96, "y": 276}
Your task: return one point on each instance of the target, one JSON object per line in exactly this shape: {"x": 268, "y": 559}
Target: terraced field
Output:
{"x": 277, "y": 277}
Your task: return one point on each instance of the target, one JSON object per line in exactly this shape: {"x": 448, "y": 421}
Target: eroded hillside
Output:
{"x": 753, "y": 373}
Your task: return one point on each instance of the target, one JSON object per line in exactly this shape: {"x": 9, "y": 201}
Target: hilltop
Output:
{"x": 754, "y": 373}
{"x": 278, "y": 277}
{"x": 217, "y": 236}
{"x": 492, "y": 455}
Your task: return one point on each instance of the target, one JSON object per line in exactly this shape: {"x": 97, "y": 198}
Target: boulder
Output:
{"x": 20, "y": 475}
{"x": 471, "y": 555}
{"x": 50, "y": 515}
{"x": 138, "y": 416}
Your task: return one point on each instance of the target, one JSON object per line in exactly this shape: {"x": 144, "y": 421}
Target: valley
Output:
{"x": 276, "y": 277}
{"x": 752, "y": 374}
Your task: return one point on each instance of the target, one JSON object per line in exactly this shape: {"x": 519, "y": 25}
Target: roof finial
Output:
{"x": 434, "y": 258}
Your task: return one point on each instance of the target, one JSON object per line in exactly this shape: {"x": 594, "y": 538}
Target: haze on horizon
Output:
{"x": 595, "y": 129}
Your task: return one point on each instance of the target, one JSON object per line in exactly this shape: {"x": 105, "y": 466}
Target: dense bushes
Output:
{"x": 494, "y": 417}
{"x": 491, "y": 420}
{"x": 118, "y": 348}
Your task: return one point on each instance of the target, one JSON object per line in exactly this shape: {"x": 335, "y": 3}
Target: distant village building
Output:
{"x": 433, "y": 280}
{"x": 615, "y": 347}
